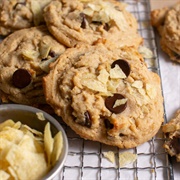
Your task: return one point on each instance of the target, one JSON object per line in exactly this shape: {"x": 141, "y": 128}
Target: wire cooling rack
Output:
{"x": 85, "y": 159}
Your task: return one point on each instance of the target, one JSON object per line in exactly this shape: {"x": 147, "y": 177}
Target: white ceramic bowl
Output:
{"x": 27, "y": 115}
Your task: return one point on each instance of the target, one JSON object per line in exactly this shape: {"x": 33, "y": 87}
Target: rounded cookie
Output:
{"x": 172, "y": 133}
{"x": 106, "y": 95}
{"x": 25, "y": 55}
{"x": 19, "y": 14}
{"x": 167, "y": 22}
{"x": 105, "y": 21}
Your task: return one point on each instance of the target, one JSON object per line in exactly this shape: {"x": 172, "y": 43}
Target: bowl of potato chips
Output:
{"x": 33, "y": 143}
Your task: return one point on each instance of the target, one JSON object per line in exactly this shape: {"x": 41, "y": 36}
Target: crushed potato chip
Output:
{"x": 40, "y": 116}
{"x": 23, "y": 151}
{"x": 126, "y": 158}
{"x": 110, "y": 156}
{"x": 119, "y": 102}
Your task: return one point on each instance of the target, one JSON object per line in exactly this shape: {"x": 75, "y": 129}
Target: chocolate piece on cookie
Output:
{"x": 20, "y": 14}
{"x": 167, "y": 22}
{"x": 91, "y": 22}
{"x": 106, "y": 95}
{"x": 172, "y": 133}
{"x": 25, "y": 57}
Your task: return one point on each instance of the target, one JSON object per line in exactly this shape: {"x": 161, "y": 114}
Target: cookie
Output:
{"x": 172, "y": 133}
{"x": 91, "y": 22}
{"x": 19, "y": 14}
{"x": 25, "y": 55}
{"x": 167, "y": 22}
{"x": 106, "y": 95}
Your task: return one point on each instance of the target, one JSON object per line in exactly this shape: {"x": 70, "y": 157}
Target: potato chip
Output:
{"x": 57, "y": 147}
{"x": 4, "y": 175}
{"x": 126, "y": 158}
{"x": 26, "y": 164}
{"x": 6, "y": 123}
{"x": 48, "y": 142}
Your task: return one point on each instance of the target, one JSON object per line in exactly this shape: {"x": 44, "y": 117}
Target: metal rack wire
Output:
{"x": 85, "y": 158}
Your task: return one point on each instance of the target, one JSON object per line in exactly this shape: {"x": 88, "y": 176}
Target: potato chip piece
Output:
{"x": 8, "y": 122}
{"x": 4, "y": 175}
{"x": 17, "y": 125}
{"x": 126, "y": 158}
{"x": 57, "y": 147}
{"x": 116, "y": 73}
{"x": 110, "y": 156}
{"x": 40, "y": 116}
{"x": 4, "y": 143}
{"x": 11, "y": 134}
{"x": 26, "y": 164}
{"x": 12, "y": 173}
{"x": 48, "y": 142}
{"x": 28, "y": 143}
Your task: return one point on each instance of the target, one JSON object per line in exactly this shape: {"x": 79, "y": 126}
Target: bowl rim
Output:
{"x": 55, "y": 170}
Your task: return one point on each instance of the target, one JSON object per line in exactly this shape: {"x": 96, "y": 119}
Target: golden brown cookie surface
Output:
{"x": 106, "y": 96}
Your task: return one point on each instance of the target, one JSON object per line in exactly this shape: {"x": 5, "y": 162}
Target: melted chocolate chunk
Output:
{"x": 52, "y": 54}
{"x": 21, "y": 78}
{"x": 83, "y": 23}
{"x": 106, "y": 26}
{"x": 124, "y": 65}
{"x": 88, "y": 121}
{"x": 175, "y": 143}
{"x": 107, "y": 124}
{"x": 110, "y": 101}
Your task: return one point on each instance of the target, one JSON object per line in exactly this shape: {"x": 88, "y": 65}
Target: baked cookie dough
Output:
{"x": 106, "y": 95}
{"x": 91, "y": 22}
{"x": 20, "y": 14}
{"x": 167, "y": 22}
{"x": 172, "y": 133}
{"x": 24, "y": 59}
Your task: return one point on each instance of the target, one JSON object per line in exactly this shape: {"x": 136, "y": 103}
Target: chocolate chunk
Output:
{"x": 83, "y": 23}
{"x": 106, "y": 26}
{"x": 110, "y": 101}
{"x": 21, "y": 78}
{"x": 175, "y": 143}
{"x": 88, "y": 121}
{"x": 52, "y": 54}
{"x": 124, "y": 65}
{"x": 107, "y": 124}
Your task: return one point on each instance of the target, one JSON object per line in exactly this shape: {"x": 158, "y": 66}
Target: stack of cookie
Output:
{"x": 84, "y": 64}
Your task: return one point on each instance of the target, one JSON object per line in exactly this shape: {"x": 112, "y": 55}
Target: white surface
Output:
{"x": 170, "y": 74}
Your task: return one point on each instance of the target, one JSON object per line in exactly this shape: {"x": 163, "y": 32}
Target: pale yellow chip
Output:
{"x": 26, "y": 164}
{"x": 4, "y": 175}
{"x": 48, "y": 142}
{"x": 6, "y": 123}
{"x": 126, "y": 158}
{"x": 57, "y": 147}
{"x": 110, "y": 156}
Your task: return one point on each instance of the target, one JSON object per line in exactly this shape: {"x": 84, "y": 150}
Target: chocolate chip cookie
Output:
{"x": 91, "y": 22}
{"x": 19, "y": 14}
{"x": 167, "y": 22}
{"x": 106, "y": 95}
{"x": 172, "y": 133}
{"x": 25, "y": 56}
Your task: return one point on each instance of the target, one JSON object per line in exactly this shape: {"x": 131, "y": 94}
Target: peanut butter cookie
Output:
{"x": 172, "y": 132}
{"x": 25, "y": 56}
{"x": 19, "y": 14}
{"x": 91, "y": 22}
{"x": 106, "y": 95}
